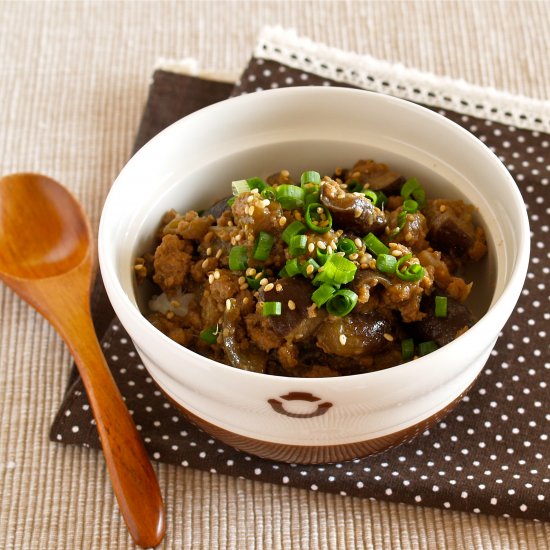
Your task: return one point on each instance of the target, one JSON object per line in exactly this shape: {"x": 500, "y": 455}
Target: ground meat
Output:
{"x": 455, "y": 287}
{"x": 261, "y": 333}
{"x": 254, "y": 214}
{"x": 189, "y": 226}
{"x": 452, "y": 229}
{"x": 414, "y": 231}
{"x": 172, "y": 262}
{"x": 173, "y": 328}
{"x": 280, "y": 178}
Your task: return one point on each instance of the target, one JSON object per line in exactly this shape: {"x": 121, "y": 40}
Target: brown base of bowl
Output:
{"x": 316, "y": 454}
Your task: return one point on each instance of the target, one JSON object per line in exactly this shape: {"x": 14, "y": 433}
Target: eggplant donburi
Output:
{"x": 318, "y": 276}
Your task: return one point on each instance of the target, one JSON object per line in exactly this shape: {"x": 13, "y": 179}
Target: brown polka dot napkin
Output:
{"x": 490, "y": 455}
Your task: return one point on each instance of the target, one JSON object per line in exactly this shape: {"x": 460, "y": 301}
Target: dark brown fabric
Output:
{"x": 490, "y": 455}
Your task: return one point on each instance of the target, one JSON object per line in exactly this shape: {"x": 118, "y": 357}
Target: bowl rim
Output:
{"x": 498, "y": 310}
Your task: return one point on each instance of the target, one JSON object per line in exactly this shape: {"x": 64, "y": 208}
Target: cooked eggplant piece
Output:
{"x": 376, "y": 175}
{"x": 218, "y": 208}
{"x": 451, "y": 227}
{"x": 442, "y": 330}
{"x": 296, "y": 323}
{"x": 245, "y": 357}
{"x": 352, "y": 211}
{"x": 356, "y": 334}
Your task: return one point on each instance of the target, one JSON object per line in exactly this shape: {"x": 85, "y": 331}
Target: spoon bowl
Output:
{"x": 46, "y": 256}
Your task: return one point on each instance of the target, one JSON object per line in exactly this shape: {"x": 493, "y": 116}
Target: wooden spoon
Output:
{"x": 46, "y": 256}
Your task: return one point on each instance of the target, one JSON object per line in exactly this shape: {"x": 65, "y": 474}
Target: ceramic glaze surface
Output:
{"x": 191, "y": 164}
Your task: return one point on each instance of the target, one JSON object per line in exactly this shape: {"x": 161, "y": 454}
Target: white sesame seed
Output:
{"x": 396, "y": 253}
{"x": 243, "y": 286}
{"x": 242, "y": 280}
{"x": 282, "y": 221}
{"x": 357, "y": 212}
{"x": 266, "y": 203}
{"x": 238, "y": 238}
{"x": 268, "y": 287}
{"x": 291, "y": 305}
{"x": 311, "y": 247}
{"x": 219, "y": 253}
{"x": 250, "y": 271}
{"x": 442, "y": 208}
{"x": 309, "y": 269}
{"x": 263, "y": 281}
{"x": 343, "y": 339}
{"x": 358, "y": 242}
{"x": 322, "y": 245}
{"x": 388, "y": 337}
{"x": 209, "y": 251}
{"x": 228, "y": 304}
{"x": 204, "y": 264}
{"x": 216, "y": 274}
{"x": 211, "y": 278}
{"x": 278, "y": 287}
{"x": 250, "y": 198}
{"x": 353, "y": 256}
{"x": 251, "y": 210}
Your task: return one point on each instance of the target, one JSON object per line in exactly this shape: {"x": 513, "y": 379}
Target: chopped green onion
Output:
{"x": 375, "y": 245}
{"x": 386, "y": 263}
{"x": 341, "y": 302}
{"x": 407, "y": 349}
{"x": 306, "y": 270}
{"x": 441, "y": 306}
{"x": 295, "y": 228}
{"x": 413, "y": 273}
{"x": 310, "y": 177}
{"x": 318, "y": 218}
{"x": 253, "y": 283}
{"x": 268, "y": 192}
{"x": 239, "y": 186}
{"x": 312, "y": 195}
{"x": 355, "y": 186}
{"x": 256, "y": 183}
{"x": 272, "y": 308}
{"x": 347, "y": 246}
{"x": 336, "y": 270}
{"x": 412, "y": 188}
{"x": 283, "y": 274}
{"x": 238, "y": 258}
{"x": 322, "y": 294}
{"x": 410, "y": 206}
{"x": 209, "y": 335}
{"x": 292, "y": 267}
{"x": 290, "y": 196}
{"x": 427, "y": 347}
{"x": 263, "y": 246}
{"x": 322, "y": 256}
{"x": 371, "y": 195}
{"x": 231, "y": 201}
{"x": 297, "y": 245}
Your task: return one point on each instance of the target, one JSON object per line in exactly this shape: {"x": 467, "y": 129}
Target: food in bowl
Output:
{"x": 316, "y": 277}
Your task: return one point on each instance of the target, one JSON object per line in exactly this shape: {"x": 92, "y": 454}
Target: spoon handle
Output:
{"x": 134, "y": 482}
{"x": 64, "y": 302}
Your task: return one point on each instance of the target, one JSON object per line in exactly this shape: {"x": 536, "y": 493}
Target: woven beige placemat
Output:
{"x": 74, "y": 81}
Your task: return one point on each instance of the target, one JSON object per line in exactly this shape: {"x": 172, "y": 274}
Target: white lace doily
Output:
{"x": 286, "y": 47}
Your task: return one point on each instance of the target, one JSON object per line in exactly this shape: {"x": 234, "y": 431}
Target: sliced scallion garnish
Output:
{"x": 341, "y": 302}
{"x": 290, "y": 196}
{"x": 412, "y": 188}
{"x": 295, "y": 228}
{"x": 407, "y": 349}
{"x": 309, "y": 267}
{"x": 412, "y": 273}
{"x": 238, "y": 258}
{"x": 347, "y": 246}
{"x": 239, "y": 186}
{"x": 310, "y": 177}
{"x": 272, "y": 308}
{"x": 263, "y": 246}
{"x": 297, "y": 245}
{"x": 318, "y": 218}
{"x": 386, "y": 263}
{"x": 427, "y": 347}
{"x": 292, "y": 267}
{"x": 336, "y": 270}
{"x": 441, "y": 306}
{"x": 375, "y": 245}
{"x": 256, "y": 183}
{"x": 209, "y": 335}
{"x": 268, "y": 192}
{"x": 322, "y": 294}
{"x": 253, "y": 283}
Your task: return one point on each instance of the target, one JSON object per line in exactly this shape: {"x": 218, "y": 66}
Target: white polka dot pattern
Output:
{"x": 490, "y": 455}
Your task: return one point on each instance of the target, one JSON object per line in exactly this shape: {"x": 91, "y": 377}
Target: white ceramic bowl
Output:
{"x": 191, "y": 163}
